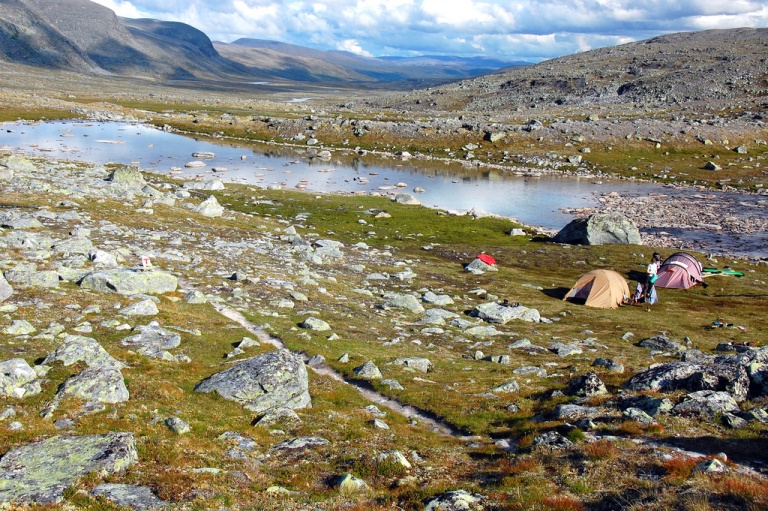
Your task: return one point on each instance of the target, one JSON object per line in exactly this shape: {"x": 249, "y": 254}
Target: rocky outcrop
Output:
{"x": 599, "y": 229}
{"x": 693, "y": 377}
{"x": 277, "y": 379}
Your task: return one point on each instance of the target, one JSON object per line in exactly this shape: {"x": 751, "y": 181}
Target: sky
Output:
{"x": 512, "y": 30}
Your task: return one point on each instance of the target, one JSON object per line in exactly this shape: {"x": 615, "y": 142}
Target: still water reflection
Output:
{"x": 533, "y": 201}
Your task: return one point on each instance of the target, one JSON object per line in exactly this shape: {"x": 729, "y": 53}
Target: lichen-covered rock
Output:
{"x": 40, "y": 472}
{"x": 600, "y": 229}
{"x": 662, "y": 343}
{"x": 277, "y": 379}
{"x": 195, "y": 297}
{"x": 648, "y": 404}
{"x": 574, "y": 412}
{"x": 706, "y": 403}
{"x": 130, "y": 282}
{"x": 132, "y": 496}
{"x": 96, "y": 384}
{"x": 143, "y": 308}
{"x": 129, "y": 177}
{"x": 74, "y": 245}
{"x": 300, "y": 443}
{"x": 458, "y": 500}
{"x": 418, "y": 363}
{"x": 368, "y": 371}
{"x": 664, "y": 377}
{"x": 403, "y": 301}
{"x": 210, "y": 207}
{"x": 349, "y": 484}
{"x": 587, "y": 385}
{"x": 16, "y": 377}
{"x": 315, "y": 324}
{"x": 77, "y": 348}
{"x": 406, "y": 198}
{"x": 153, "y": 341}
{"x": 5, "y": 289}
{"x": 499, "y": 314}
{"x": 27, "y": 277}
{"x": 506, "y": 388}
{"x": 479, "y": 267}
{"x": 20, "y": 327}
{"x": 283, "y": 416}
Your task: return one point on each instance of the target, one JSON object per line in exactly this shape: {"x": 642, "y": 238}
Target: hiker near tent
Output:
{"x": 651, "y": 274}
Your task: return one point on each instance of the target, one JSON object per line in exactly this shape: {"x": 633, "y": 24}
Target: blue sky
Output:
{"x": 530, "y": 30}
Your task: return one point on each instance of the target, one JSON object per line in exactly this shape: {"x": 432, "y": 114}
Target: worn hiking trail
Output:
{"x": 410, "y": 412}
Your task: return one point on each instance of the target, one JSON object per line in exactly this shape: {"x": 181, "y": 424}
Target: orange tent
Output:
{"x": 600, "y": 288}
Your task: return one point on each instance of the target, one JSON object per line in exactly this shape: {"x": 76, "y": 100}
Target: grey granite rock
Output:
{"x": 277, "y": 379}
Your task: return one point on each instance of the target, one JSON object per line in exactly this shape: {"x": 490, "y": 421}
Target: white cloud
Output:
{"x": 352, "y": 46}
{"x": 538, "y": 28}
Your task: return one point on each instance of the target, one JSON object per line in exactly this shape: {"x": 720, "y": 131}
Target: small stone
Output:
{"x": 177, "y": 425}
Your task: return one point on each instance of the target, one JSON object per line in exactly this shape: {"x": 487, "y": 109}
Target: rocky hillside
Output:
{"x": 305, "y": 64}
{"x": 709, "y": 69}
{"x": 85, "y": 37}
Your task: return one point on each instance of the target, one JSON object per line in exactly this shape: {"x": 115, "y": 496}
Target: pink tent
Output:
{"x": 679, "y": 271}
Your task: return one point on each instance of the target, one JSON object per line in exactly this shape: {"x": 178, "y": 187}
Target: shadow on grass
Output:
{"x": 557, "y": 292}
{"x": 752, "y": 452}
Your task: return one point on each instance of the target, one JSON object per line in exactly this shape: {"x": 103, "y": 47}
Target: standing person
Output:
{"x": 651, "y": 272}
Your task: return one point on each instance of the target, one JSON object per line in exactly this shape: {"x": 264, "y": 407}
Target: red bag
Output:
{"x": 486, "y": 259}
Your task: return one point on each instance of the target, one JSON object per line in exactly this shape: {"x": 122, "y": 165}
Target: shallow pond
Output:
{"x": 531, "y": 200}
{"x": 535, "y": 201}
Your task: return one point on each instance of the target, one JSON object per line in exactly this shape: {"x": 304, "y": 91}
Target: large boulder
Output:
{"x": 210, "y": 207}
{"x": 29, "y": 277}
{"x": 128, "y": 176}
{"x": 277, "y": 379}
{"x": 96, "y": 384}
{"x": 130, "y": 282}
{"x": 499, "y": 314}
{"x": 706, "y": 403}
{"x": 600, "y": 229}
{"x": 40, "y": 472}
{"x": 587, "y": 385}
{"x": 729, "y": 378}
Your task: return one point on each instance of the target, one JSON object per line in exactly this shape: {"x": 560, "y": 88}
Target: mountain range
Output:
{"x": 85, "y": 37}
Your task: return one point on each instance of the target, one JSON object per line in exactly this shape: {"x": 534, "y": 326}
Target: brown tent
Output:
{"x": 600, "y": 288}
